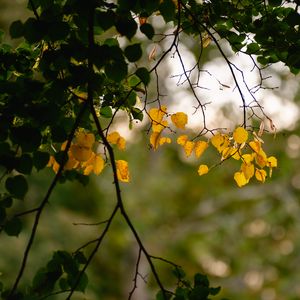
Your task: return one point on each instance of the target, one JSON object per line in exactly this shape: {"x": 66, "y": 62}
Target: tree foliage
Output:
{"x": 81, "y": 64}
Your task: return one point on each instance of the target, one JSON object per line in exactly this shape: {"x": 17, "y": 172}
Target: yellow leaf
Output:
{"x": 220, "y": 141}
{"x": 236, "y": 153}
{"x": 85, "y": 139}
{"x": 80, "y": 153}
{"x": 159, "y": 127}
{"x": 156, "y": 116}
{"x": 182, "y": 139}
{"x": 116, "y": 139}
{"x": 200, "y": 147}
{"x": 122, "y": 170}
{"x": 261, "y": 158}
{"x": 240, "y": 178}
{"x": 164, "y": 140}
{"x": 240, "y": 135}
{"x": 255, "y": 146}
{"x": 98, "y": 164}
{"x": 260, "y": 175}
{"x": 247, "y": 158}
{"x": 154, "y": 139}
{"x": 205, "y": 41}
{"x": 179, "y": 119}
{"x": 113, "y": 137}
{"x": 189, "y": 147}
{"x": 203, "y": 169}
{"x": 272, "y": 162}
{"x": 88, "y": 170}
{"x": 72, "y": 163}
{"x": 248, "y": 170}
{"x": 228, "y": 152}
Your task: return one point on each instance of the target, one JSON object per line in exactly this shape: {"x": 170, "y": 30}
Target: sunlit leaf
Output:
{"x": 272, "y": 162}
{"x": 255, "y": 146}
{"x": 260, "y": 175}
{"x": 85, "y": 139}
{"x": 240, "y": 135}
{"x": 188, "y": 148}
{"x": 98, "y": 164}
{"x": 156, "y": 116}
{"x": 220, "y": 141}
{"x": 122, "y": 170}
{"x": 179, "y": 119}
{"x": 81, "y": 153}
{"x": 116, "y": 139}
{"x": 203, "y": 169}
{"x": 261, "y": 158}
{"x": 240, "y": 178}
{"x": 248, "y": 170}
{"x": 200, "y": 147}
{"x": 182, "y": 139}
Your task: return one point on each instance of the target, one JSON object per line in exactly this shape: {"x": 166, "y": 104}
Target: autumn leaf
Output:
{"x": 122, "y": 170}
{"x": 260, "y": 175}
{"x": 220, "y": 141}
{"x": 156, "y": 116}
{"x": 81, "y": 153}
{"x": 115, "y": 139}
{"x": 272, "y": 162}
{"x": 203, "y": 169}
{"x": 261, "y": 158}
{"x": 164, "y": 140}
{"x": 248, "y": 170}
{"x": 179, "y": 119}
{"x": 240, "y": 178}
{"x": 240, "y": 135}
{"x": 182, "y": 139}
{"x": 156, "y": 140}
{"x": 188, "y": 148}
{"x": 200, "y": 147}
{"x": 85, "y": 139}
{"x": 255, "y": 146}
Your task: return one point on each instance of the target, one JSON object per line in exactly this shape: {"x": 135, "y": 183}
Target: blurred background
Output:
{"x": 246, "y": 240}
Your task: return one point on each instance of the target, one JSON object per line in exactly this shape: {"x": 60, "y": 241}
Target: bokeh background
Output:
{"x": 246, "y": 240}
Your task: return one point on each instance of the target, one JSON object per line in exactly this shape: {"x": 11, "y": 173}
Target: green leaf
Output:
{"x": 252, "y": 48}
{"x": 106, "y": 112}
{"x": 58, "y": 134}
{"x": 40, "y": 159}
{"x": 137, "y": 114}
{"x": 116, "y": 70}
{"x": 167, "y": 9}
{"x": 27, "y": 137}
{"x": 275, "y": 2}
{"x": 80, "y": 258}
{"x": 7, "y": 201}
{"x": 214, "y": 291}
{"x": 13, "y": 227}
{"x": 33, "y": 30}
{"x": 133, "y": 52}
{"x": 131, "y": 100}
{"x": 143, "y": 74}
{"x": 163, "y": 295}
{"x": 126, "y": 27}
{"x": 83, "y": 282}
{"x": 105, "y": 19}
{"x": 17, "y": 186}
{"x": 16, "y": 29}
{"x": 2, "y": 214}
{"x": 24, "y": 164}
{"x": 147, "y": 30}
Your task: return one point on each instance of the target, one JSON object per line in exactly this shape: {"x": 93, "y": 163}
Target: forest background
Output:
{"x": 246, "y": 240}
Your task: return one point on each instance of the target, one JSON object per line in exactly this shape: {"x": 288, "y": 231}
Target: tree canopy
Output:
{"x": 76, "y": 71}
